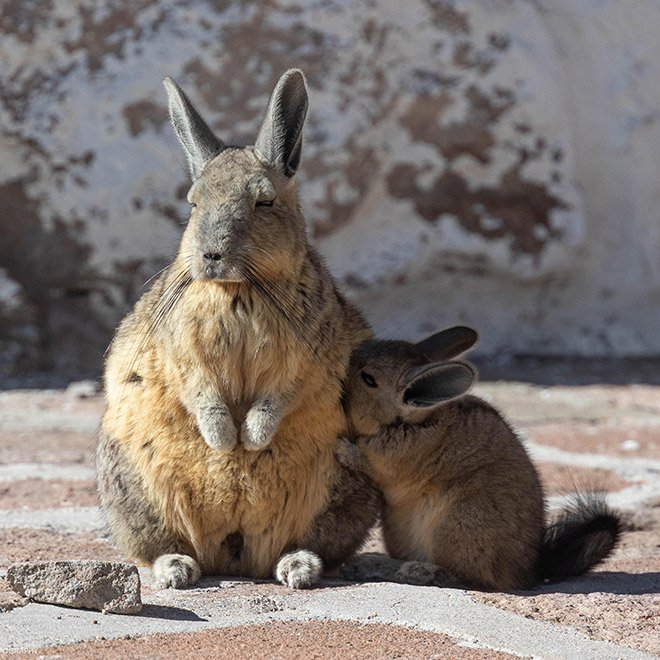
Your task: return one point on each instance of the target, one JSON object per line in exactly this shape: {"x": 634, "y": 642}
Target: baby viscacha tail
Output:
{"x": 584, "y": 534}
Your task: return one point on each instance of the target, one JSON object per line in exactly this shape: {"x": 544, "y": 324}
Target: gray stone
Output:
{"x": 88, "y": 584}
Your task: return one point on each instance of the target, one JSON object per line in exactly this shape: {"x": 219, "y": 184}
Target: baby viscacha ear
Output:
{"x": 449, "y": 343}
{"x": 430, "y": 385}
{"x": 280, "y": 136}
{"x": 197, "y": 139}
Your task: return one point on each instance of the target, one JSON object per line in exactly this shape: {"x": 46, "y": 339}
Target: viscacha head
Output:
{"x": 390, "y": 381}
{"x": 245, "y": 221}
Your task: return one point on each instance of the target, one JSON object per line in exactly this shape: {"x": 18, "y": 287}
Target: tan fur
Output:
{"x": 460, "y": 490}
{"x": 224, "y": 337}
{"x": 464, "y": 495}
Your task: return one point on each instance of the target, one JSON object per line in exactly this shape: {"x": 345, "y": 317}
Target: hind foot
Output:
{"x": 175, "y": 571}
{"x": 371, "y": 567}
{"x": 424, "y": 573}
{"x": 299, "y": 569}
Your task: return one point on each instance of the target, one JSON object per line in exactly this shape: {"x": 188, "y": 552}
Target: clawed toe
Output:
{"x": 300, "y": 569}
{"x": 175, "y": 571}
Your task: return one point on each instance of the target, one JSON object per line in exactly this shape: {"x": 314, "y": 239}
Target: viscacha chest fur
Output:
{"x": 204, "y": 496}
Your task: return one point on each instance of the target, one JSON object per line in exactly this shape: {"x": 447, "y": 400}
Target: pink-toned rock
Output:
{"x": 9, "y": 599}
{"x": 83, "y": 389}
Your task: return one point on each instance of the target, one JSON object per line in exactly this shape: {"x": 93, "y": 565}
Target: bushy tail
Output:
{"x": 583, "y": 535}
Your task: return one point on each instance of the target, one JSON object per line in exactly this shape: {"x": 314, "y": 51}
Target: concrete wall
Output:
{"x": 492, "y": 162}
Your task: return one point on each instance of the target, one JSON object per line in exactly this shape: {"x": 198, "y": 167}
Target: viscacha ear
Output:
{"x": 449, "y": 343}
{"x": 197, "y": 139}
{"x": 430, "y": 385}
{"x": 280, "y": 135}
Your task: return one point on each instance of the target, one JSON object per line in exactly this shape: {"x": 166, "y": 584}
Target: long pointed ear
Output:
{"x": 197, "y": 139}
{"x": 449, "y": 343}
{"x": 437, "y": 383}
{"x": 280, "y": 135}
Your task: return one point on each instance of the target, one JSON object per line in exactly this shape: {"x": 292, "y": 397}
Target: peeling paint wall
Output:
{"x": 492, "y": 162}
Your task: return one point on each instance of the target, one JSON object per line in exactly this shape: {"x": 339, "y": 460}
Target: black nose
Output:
{"x": 212, "y": 256}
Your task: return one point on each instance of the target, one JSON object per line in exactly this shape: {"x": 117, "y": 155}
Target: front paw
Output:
{"x": 348, "y": 454}
{"x": 370, "y": 567}
{"x": 299, "y": 569}
{"x": 175, "y": 571}
{"x": 217, "y": 429}
{"x": 258, "y": 429}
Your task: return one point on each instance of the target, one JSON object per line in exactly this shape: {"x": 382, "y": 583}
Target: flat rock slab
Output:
{"x": 87, "y": 584}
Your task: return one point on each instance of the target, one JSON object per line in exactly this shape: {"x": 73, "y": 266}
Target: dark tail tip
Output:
{"x": 583, "y": 535}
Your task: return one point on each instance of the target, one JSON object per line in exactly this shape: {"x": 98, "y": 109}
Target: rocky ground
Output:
{"x": 589, "y": 436}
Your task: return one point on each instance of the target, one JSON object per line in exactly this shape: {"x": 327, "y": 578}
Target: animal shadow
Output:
{"x": 169, "y": 613}
{"x": 610, "y": 582}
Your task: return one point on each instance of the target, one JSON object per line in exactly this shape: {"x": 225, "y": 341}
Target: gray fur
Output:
{"x": 262, "y": 421}
{"x": 299, "y": 569}
{"x": 448, "y": 344}
{"x": 175, "y": 571}
{"x": 434, "y": 384}
{"x": 134, "y": 522}
{"x": 376, "y": 567}
{"x": 460, "y": 491}
{"x": 197, "y": 139}
{"x": 280, "y": 136}
{"x": 214, "y": 421}
{"x": 337, "y": 532}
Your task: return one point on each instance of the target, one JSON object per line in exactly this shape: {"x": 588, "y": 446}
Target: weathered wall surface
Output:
{"x": 492, "y": 162}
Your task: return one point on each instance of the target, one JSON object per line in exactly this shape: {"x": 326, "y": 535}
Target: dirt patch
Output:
{"x": 59, "y": 291}
{"x": 144, "y": 114}
{"x": 57, "y": 447}
{"x": 618, "y": 618}
{"x": 38, "y": 544}
{"x": 64, "y": 401}
{"x": 618, "y": 602}
{"x": 560, "y": 479}
{"x": 600, "y": 438}
{"x": 314, "y": 639}
{"x": 522, "y": 209}
{"x": 37, "y": 493}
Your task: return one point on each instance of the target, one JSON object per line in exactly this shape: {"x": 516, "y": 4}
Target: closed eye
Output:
{"x": 265, "y": 202}
{"x": 368, "y": 379}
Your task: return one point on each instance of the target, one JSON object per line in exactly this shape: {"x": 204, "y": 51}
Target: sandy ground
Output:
{"x": 606, "y": 437}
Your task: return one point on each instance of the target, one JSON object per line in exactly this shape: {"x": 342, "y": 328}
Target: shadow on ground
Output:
{"x": 607, "y": 582}
{"x": 168, "y": 612}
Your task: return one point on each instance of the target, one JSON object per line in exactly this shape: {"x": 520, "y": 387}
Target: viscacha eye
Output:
{"x": 265, "y": 202}
{"x": 368, "y": 379}
{"x": 193, "y": 205}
